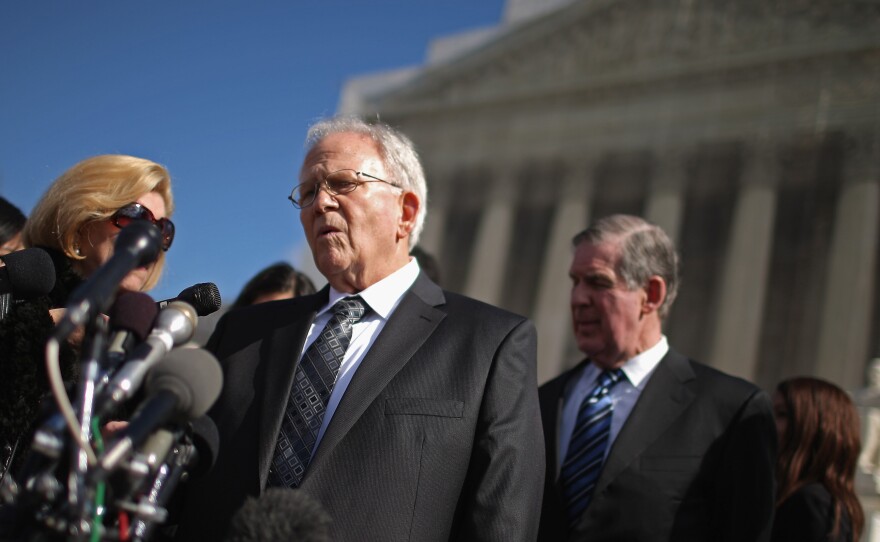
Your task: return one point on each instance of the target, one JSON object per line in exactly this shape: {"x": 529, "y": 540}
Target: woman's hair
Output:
{"x": 12, "y": 220}
{"x": 93, "y": 190}
{"x": 279, "y": 277}
{"x": 820, "y": 444}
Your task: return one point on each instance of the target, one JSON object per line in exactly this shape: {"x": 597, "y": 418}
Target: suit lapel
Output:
{"x": 665, "y": 397}
{"x": 281, "y": 350}
{"x": 414, "y": 320}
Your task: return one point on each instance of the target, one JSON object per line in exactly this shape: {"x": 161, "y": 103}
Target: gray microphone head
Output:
{"x": 193, "y": 375}
{"x": 178, "y": 318}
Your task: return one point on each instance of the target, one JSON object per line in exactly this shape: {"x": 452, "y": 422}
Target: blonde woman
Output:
{"x": 76, "y": 221}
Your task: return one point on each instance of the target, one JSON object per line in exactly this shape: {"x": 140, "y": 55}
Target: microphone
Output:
{"x": 280, "y": 514}
{"x": 175, "y": 325}
{"x": 204, "y": 297}
{"x": 28, "y": 273}
{"x": 138, "y": 244}
{"x": 131, "y": 318}
{"x": 182, "y": 387}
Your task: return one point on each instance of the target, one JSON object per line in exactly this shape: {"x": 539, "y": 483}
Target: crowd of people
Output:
{"x": 408, "y": 412}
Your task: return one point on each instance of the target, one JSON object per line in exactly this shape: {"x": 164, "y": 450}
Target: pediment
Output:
{"x": 594, "y": 43}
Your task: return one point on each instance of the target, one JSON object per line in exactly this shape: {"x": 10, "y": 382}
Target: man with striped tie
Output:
{"x": 642, "y": 442}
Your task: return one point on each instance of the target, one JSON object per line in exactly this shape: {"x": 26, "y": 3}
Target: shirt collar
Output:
{"x": 383, "y": 296}
{"x": 637, "y": 369}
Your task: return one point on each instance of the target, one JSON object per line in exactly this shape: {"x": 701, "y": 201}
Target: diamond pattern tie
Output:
{"x": 586, "y": 451}
{"x": 312, "y": 384}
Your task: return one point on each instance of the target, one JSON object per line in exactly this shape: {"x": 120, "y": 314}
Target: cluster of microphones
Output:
{"x": 79, "y": 479}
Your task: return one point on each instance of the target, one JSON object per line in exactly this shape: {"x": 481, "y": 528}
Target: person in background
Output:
{"x": 818, "y": 429}
{"x": 76, "y": 221}
{"x": 12, "y": 221}
{"x": 642, "y": 442}
{"x": 278, "y": 281}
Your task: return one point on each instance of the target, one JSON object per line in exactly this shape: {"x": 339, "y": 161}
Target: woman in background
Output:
{"x": 76, "y": 221}
{"x": 278, "y": 281}
{"x": 818, "y": 430}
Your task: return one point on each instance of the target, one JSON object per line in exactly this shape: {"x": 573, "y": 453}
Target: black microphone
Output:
{"x": 28, "y": 273}
{"x": 131, "y": 319}
{"x": 280, "y": 514}
{"x": 138, "y": 244}
{"x": 204, "y": 297}
{"x": 182, "y": 387}
{"x": 174, "y": 326}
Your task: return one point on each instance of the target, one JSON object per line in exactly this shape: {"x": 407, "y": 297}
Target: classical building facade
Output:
{"x": 749, "y": 130}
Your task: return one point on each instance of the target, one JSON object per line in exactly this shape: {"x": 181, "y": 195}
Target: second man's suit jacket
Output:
{"x": 694, "y": 461}
{"x": 437, "y": 437}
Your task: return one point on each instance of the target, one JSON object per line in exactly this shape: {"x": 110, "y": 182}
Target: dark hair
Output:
{"x": 821, "y": 444}
{"x": 645, "y": 251}
{"x": 11, "y": 220}
{"x": 279, "y": 277}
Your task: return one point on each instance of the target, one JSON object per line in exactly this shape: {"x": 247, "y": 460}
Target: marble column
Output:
{"x": 746, "y": 266}
{"x": 431, "y": 239}
{"x": 489, "y": 261}
{"x": 665, "y": 205}
{"x": 552, "y": 314}
{"x": 845, "y": 332}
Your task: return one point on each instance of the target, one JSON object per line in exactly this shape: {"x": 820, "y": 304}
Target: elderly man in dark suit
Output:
{"x": 642, "y": 442}
{"x": 408, "y": 412}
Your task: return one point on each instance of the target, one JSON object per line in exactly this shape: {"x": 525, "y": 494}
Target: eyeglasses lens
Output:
{"x": 135, "y": 211}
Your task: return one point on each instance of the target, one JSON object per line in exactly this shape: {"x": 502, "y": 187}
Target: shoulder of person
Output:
{"x": 723, "y": 387}
{"x": 474, "y": 309}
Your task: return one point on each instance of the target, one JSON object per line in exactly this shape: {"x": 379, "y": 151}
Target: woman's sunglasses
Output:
{"x": 135, "y": 211}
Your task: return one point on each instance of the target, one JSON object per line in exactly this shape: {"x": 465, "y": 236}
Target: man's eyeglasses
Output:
{"x": 335, "y": 183}
{"x": 135, "y": 211}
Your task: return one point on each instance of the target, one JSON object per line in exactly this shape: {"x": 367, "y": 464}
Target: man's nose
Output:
{"x": 323, "y": 198}
{"x": 580, "y": 296}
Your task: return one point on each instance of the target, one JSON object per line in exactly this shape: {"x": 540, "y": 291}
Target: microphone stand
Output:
{"x": 82, "y": 493}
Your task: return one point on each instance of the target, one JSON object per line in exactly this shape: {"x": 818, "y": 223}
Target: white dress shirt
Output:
{"x": 382, "y": 299}
{"x": 623, "y": 395}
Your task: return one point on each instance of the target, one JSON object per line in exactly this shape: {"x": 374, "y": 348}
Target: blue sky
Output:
{"x": 220, "y": 92}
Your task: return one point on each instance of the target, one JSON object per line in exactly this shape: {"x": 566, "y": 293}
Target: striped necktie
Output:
{"x": 586, "y": 451}
{"x": 313, "y": 382}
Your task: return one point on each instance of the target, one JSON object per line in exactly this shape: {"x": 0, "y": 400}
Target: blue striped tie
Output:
{"x": 586, "y": 451}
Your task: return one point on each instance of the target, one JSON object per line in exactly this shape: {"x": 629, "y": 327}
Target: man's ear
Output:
{"x": 655, "y": 292}
{"x": 410, "y": 205}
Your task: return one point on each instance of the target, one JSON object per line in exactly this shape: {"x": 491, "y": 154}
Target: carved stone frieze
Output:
{"x": 589, "y": 42}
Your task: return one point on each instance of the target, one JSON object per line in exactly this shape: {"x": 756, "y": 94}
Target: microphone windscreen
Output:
{"x": 206, "y": 439}
{"x": 193, "y": 375}
{"x": 31, "y": 273}
{"x": 205, "y": 297}
{"x": 280, "y": 514}
{"x": 133, "y": 312}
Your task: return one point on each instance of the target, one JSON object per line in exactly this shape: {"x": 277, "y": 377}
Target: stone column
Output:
{"x": 665, "y": 205}
{"x": 845, "y": 331}
{"x": 746, "y": 266}
{"x": 438, "y": 206}
{"x": 489, "y": 261}
{"x": 552, "y": 313}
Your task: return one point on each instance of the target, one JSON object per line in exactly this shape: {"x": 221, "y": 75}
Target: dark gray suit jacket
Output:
{"x": 693, "y": 462}
{"x": 437, "y": 437}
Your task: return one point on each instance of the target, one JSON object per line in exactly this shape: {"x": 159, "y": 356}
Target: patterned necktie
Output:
{"x": 586, "y": 451}
{"x": 312, "y": 384}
